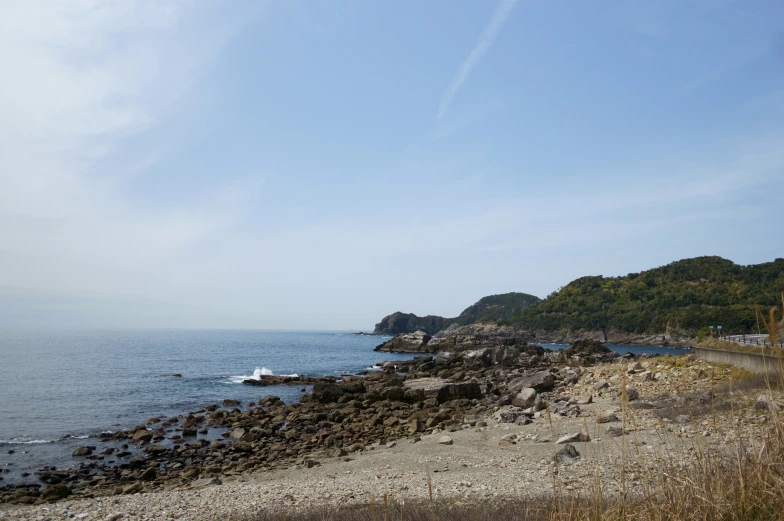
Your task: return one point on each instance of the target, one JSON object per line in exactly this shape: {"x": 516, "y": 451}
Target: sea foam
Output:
{"x": 257, "y": 374}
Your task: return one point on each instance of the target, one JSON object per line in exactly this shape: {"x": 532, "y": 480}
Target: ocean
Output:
{"x": 60, "y": 389}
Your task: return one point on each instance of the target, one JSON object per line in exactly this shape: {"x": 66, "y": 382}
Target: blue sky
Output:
{"x": 322, "y": 164}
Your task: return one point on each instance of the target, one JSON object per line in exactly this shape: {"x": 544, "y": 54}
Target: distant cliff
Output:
{"x": 493, "y": 308}
{"x": 398, "y": 322}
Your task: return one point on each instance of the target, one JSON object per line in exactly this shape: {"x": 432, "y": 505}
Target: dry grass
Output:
{"x": 745, "y": 482}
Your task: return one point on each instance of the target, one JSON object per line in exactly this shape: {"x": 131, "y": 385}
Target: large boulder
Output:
{"x": 540, "y": 381}
{"x": 525, "y": 398}
{"x": 442, "y": 390}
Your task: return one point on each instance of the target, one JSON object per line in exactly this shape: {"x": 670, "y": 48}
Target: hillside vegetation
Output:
{"x": 686, "y": 295}
{"x": 496, "y": 308}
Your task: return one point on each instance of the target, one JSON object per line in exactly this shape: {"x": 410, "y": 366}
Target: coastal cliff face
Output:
{"x": 491, "y": 309}
{"x": 398, "y": 323}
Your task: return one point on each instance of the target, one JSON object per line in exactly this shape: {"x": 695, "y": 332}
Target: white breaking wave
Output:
{"x": 24, "y": 442}
{"x": 257, "y": 374}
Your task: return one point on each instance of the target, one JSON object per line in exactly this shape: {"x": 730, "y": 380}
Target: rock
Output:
{"x": 149, "y": 474}
{"x": 601, "y": 384}
{"x": 606, "y": 417}
{"x": 56, "y": 492}
{"x": 206, "y": 482}
{"x": 587, "y": 347}
{"x": 632, "y": 394}
{"x": 682, "y": 418}
{"x": 510, "y": 415}
{"x": 567, "y": 453}
{"x": 142, "y": 436}
{"x": 82, "y": 451}
{"x": 525, "y": 398}
{"x": 584, "y": 400}
{"x": 416, "y": 342}
{"x": 135, "y": 487}
{"x": 615, "y": 432}
{"x": 155, "y": 449}
{"x": 573, "y": 438}
{"x": 190, "y": 473}
{"x": 445, "y": 440}
{"x": 231, "y": 403}
{"x": 415, "y": 426}
{"x": 540, "y": 381}
{"x": 177, "y": 375}
{"x": 766, "y": 404}
{"x": 237, "y": 433}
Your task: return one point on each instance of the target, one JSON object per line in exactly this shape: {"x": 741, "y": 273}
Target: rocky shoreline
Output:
{"x": 460, "y": 338}
{"x": 338, "y": 418}
{"x": 481, "y": 423}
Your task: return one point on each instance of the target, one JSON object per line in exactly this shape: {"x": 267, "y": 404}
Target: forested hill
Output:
{"x": 496, "y": 308}
{"x": 686, "y": 295}
{"x": 493, "y": 308}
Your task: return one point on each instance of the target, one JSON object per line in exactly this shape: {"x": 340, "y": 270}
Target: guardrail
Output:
{"x": 754, "y": 340}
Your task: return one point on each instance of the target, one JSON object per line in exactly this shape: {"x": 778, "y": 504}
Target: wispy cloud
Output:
{"x": 79, "y": 80}
{"x": 501, "y": 14}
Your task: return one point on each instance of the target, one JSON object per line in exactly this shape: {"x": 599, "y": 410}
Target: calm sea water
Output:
{"x": 58, "y": 388}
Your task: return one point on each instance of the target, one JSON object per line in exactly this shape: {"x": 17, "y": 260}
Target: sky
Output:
{"x": 318, "y": 165}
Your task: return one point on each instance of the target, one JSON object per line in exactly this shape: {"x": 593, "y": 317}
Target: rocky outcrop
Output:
{"x": 407, "y": 343}
{"x": 473, "y": 336}
{"x": 587, "y": 347}
{"x": 490, "y": 309}
{"x": 461, "y": 338}
{"x": 265, "y": 380}
{"x": 398, "y": 323}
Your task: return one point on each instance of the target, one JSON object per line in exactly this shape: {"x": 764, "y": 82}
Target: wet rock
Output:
{"x": 56, "y": 492}
{"x": 142, "y": 436}
{"x": 149, "y": 474}
{"x": 83, "y": 451}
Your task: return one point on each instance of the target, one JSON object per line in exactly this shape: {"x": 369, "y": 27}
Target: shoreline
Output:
{"x": 237, "y": 438}
{"x": 488, "y": 456}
